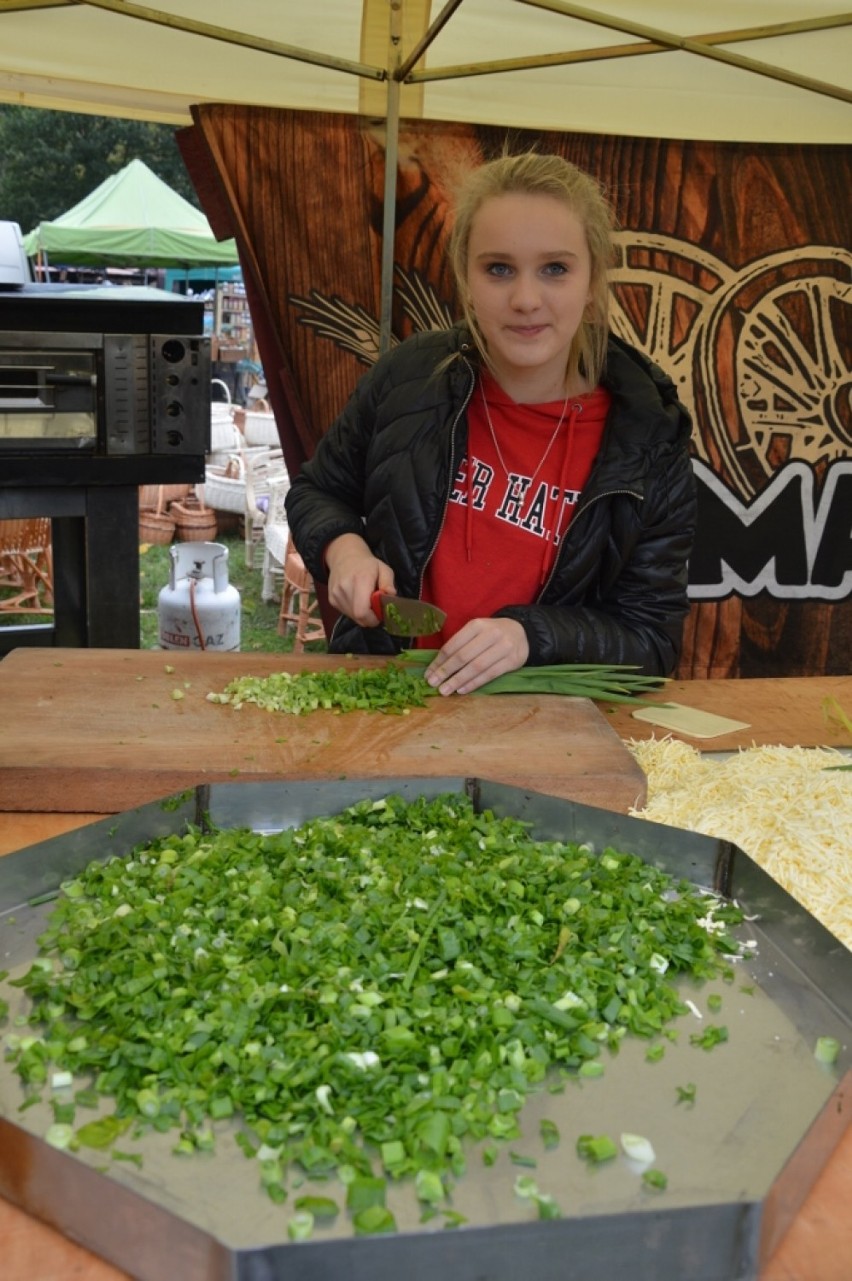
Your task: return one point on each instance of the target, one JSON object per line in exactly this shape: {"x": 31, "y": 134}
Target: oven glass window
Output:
{"x": 48, "y": 395}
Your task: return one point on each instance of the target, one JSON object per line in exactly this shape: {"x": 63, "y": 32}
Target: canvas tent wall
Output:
{"x": 131, "y": 218}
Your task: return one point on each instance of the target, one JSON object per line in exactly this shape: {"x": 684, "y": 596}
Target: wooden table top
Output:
{"x": 106, "y": 730}
{"x": 780, "y": 713}
{"x": 817, "y": 1247}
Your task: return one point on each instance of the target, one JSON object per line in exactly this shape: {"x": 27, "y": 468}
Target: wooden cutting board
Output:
{"x": 779, "y": 713}
{"x": 100, "y": 731}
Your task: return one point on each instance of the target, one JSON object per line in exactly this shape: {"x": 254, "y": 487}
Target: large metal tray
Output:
{"x": 740, "y": 1161}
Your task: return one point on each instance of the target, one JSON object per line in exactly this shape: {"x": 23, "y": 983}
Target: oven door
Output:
{"x": 48, "y": 395}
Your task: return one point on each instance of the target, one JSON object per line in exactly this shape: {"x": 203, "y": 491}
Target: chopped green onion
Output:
{"x": 429, "y": 1186}
{"x": 300, "y": 1226}
{"x": 453, "y": 1219}
{"x": 655, "y": 1179}
{"x": 365, "y": 1191}
{"x": 373, "y": 1219}
{"x": 397, "y": 979}
{"x": 826, "y": 1049}
{"x": 321, "y": 1207}
{"x": 549, "y": 1132}
{"x": 710, "y": 1037}
{"x": 596, "y": 1148}
{"x": 547, "y": 1207}
{"x": 47, "y": 897}
{"x": 389, "y": 689}
{"x": 60, "y": 1135}
{"x": 638, "y": 1148}
{"x": 100, "y": 1134}
{"x": 134, "y": 1158}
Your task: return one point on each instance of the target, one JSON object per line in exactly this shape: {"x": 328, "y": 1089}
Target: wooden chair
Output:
{"x": 299, "y": 606}
{"x": 26, "y": 566}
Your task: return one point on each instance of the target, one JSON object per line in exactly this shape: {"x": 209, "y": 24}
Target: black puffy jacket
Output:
{"x": 384, "y": 470}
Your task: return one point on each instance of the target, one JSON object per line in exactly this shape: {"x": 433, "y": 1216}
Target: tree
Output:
{"x": 50, "y": 160}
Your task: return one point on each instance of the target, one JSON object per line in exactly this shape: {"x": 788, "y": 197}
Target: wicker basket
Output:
{"x": 218, "y": 458}
{"x": 225, "y": 487}
{"x": 224, "y": 434}
{"x": 194, "y": 523}
{"x": 260, "y": 428}
{"x": 159, "y": 496}
{"x": 155, "y": 526}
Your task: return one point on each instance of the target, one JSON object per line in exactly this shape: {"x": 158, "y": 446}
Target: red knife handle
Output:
{"x": 376, "y": 605}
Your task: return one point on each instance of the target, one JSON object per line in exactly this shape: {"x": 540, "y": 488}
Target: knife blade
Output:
{"x": 402, "y": 616}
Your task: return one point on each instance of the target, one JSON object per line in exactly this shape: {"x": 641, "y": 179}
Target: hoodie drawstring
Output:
{"x": 546, "y": 557}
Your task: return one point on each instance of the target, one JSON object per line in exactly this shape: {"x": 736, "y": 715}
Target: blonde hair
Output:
{"x": 544, "y": 175}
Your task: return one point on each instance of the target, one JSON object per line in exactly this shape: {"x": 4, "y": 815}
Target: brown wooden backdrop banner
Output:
{"x": 734, "y": 272}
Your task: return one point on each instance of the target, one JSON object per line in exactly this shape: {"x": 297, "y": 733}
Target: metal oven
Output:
{"x": 102, "y": 390}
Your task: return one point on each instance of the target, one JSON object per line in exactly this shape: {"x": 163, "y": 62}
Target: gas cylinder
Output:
{"x": 199, "y": 609}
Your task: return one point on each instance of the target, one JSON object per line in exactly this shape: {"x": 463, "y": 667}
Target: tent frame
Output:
{"x": 400, "y": 71}
{"x": 652, "y": 40}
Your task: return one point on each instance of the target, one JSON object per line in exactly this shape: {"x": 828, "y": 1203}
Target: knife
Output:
{"x": 405, "y": 617}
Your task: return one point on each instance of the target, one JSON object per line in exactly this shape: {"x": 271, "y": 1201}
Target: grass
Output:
{"x": 258, "y": 618}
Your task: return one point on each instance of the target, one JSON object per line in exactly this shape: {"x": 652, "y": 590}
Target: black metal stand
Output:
{"x": 95, "y": 566}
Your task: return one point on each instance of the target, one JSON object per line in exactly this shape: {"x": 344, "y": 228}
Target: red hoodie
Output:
{"x": 502, "y": 532}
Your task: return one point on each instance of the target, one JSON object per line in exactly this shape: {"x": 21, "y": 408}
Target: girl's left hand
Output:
{"x": 482, "y": 649}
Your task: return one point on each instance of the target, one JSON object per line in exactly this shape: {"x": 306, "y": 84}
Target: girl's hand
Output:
{"x": 482, "y": 649}
{"x": 354, "y": 573}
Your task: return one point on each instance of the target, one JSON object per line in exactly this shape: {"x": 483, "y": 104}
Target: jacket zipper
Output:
{"x": 452, "y": 480}
{"x": 456, "y": 420}
{"x": 584, "y": 507}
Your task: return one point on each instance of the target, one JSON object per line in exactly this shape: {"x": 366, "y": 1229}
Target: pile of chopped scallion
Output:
{"x": 400, "y": 685}
{"x": 391, "y": 689}
{"x": 356, "y": 996}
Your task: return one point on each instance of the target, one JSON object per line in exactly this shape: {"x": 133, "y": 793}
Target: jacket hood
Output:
{"x": 636, "y": 381}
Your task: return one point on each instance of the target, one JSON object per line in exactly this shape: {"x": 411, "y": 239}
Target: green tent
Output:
{"x": 132, "y": 219}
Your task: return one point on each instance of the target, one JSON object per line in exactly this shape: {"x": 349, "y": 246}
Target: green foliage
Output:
{"x": 50, "y": 160}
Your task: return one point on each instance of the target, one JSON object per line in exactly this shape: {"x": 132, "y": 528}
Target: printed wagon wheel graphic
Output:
{"x": 661, "y": 293}
{"x": 774, "y": 360}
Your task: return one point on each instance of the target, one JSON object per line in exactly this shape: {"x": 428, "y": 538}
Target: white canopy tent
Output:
{"x": 738, "y": 70}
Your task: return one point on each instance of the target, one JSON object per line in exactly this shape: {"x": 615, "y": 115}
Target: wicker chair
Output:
{"x": 260, "y": 465}
{"x": 26, "y": 566}
{"x": 276, "y": 533}
{"x": 299, "y": 606}
{"x": 238, "y": 485}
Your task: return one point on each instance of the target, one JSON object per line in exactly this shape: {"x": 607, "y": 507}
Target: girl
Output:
{"x": 526, "y": 471}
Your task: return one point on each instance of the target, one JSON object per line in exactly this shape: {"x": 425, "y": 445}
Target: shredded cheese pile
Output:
{"x": 783, "y": 806}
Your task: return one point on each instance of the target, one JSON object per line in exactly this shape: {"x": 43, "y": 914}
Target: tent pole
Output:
{"x": 391, "y": 163}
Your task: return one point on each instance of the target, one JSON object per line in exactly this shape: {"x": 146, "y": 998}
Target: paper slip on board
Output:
{"x": 689, "y": 720}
